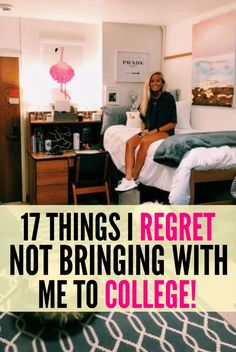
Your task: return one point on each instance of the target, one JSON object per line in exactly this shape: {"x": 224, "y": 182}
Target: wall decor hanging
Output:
{"x": 111, "y": 96}
{"x": 62, "y": 73}
{"x": 131, "y": 66}
{"x": 47, "y": 90}
{"x": 214, "y": 45}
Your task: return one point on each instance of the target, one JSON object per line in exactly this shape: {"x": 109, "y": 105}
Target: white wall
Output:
{"x": 178, "y": 73}
{"x": 134, "y": 38}
{"x": 84, "y": 42}
{"x": 25, "y": 37}
{"x": 10, "y": 36}
{"x": 99, "y": 45}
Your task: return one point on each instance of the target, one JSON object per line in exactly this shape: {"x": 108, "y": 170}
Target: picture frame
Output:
{"x": 50, "y": 51}
{"x": 213, "y": 61}
{"x": 131, "y": 66}
{"x": 112, "y": 96}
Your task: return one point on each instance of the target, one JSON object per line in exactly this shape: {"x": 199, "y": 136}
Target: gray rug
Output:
{"x": 120, "y": 332}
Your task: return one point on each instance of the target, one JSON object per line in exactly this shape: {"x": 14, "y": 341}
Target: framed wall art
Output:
{"x": 112, "y": 96}
{"x": 131, "y": 66}
{"x": 214, "y": 53}
{"x": 61, "y": 62}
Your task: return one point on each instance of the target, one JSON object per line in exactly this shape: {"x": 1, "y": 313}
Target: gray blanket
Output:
{"x": 172, "y": 149}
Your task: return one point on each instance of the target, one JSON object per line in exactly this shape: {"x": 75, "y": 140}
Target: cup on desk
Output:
{"x": 80, "y": 117}
{"x": 47, "y": 145}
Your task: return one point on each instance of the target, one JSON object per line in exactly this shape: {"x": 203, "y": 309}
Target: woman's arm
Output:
{"x": 142, "y": 126}
{"x": 144, "y": 131}
{"x": 165, "y": 128}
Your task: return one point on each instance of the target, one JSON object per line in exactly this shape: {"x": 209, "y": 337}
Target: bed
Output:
{"x": 199, "y": 166}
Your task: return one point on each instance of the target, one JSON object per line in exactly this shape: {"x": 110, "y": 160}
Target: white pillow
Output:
{"x": 133, "y": 119}
{"x": 183, "y": 114}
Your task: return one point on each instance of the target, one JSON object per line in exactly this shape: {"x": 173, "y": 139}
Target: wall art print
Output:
{"x": 131, "y": 66}
{"x": 214, "y": 50}
{"x": 62, "y": 72}
{"x": 111, "y": 96}
{"x": 61, "y": 66}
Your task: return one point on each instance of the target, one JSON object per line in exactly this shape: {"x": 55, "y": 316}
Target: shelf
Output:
{"x": 60, "y": 132}
{"x": 49, "y": 174}
{"x": 64, "y": 122}
{"x": 44, "y": 156}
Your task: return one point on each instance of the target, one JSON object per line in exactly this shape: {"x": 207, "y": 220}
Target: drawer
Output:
{"x": 53, "y": 178}
{"x": 51, "y": 166}
{"x": 52, "y": 194}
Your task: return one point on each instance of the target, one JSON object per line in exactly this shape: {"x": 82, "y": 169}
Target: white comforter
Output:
{"x": 173, "y": 180}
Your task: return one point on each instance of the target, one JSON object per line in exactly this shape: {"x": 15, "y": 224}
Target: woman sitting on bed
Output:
{"x": 158, "y": 114}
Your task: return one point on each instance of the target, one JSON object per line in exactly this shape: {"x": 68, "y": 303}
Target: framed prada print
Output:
{"x": 131, "y": 66}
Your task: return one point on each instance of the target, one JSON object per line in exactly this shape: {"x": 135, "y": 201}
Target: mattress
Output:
{"x": 171, "y": 179}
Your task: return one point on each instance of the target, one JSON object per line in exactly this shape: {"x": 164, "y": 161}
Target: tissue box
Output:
{"x": 65, "y": 116}
{"x": 96, "y": 116}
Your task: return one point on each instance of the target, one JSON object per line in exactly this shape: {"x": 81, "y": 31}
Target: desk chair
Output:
{"x": 91, "y": 174}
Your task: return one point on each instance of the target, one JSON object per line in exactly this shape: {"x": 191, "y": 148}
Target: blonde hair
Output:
{"x": 147, "y": 91}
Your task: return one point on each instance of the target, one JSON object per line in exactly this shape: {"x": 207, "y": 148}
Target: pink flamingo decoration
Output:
{"x": 62, "y": 73}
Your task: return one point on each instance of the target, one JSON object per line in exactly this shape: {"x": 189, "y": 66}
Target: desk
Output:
{"x": 49, "y": 178}
{"x": 49, "y": 174}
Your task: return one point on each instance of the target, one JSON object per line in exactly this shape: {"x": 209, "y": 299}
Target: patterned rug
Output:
{"x": 120, "y": 332}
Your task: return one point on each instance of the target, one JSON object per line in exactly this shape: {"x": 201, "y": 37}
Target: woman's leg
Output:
{"x": 144, "y": 145}
{"x": 131, "y": 145}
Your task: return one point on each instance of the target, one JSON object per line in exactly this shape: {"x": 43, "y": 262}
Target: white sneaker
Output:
{"x": 126, "y": 185}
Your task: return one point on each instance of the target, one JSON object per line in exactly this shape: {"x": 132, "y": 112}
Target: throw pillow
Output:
{"x": 183, "y": 114}
{"x": 175, "y": 93}
{"x": 133, "y": 119}
{"x": 113, "y": 115}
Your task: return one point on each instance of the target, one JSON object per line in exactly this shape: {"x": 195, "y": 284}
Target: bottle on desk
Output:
{"x": 76, "y": 141}
{"x": 39, "y": 145}
{"x": 37, "y": 141}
